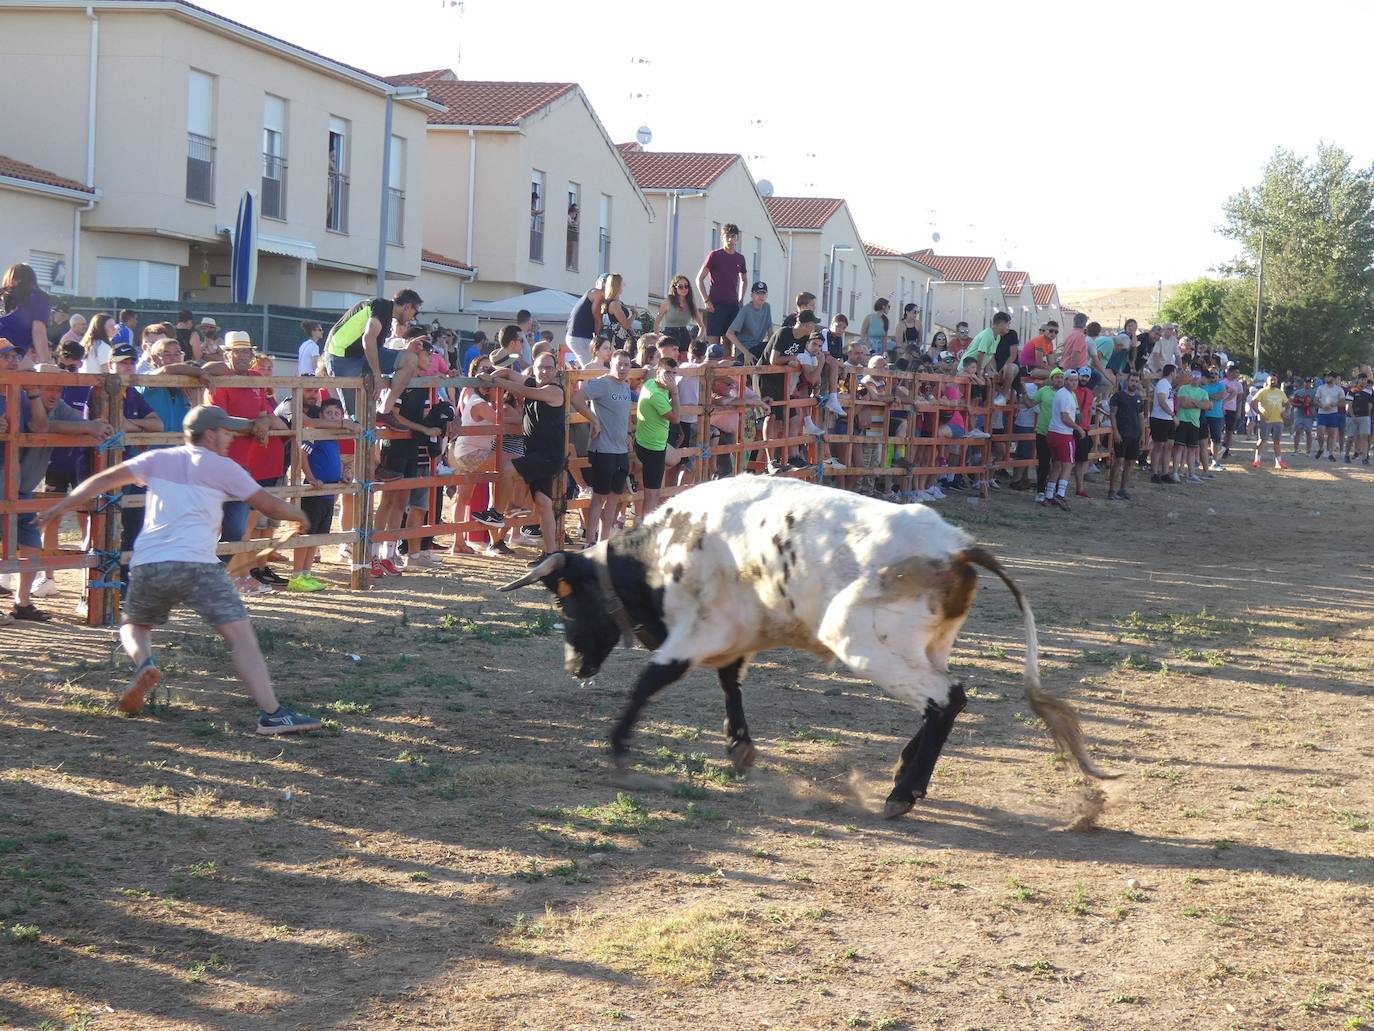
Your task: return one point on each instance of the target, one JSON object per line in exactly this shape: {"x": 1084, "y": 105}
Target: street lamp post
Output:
{"x": 670, "y": 266}
{"x": 829, "y": 301}
{"x": 384, "y": 222}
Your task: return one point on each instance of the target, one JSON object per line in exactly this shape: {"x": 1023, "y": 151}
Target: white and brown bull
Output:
{"x": 738, "y": 566}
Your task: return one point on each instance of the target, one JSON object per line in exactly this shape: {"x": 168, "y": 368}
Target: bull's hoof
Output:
{"x": 895, "y": 807}
{"x": 742, "y": 754}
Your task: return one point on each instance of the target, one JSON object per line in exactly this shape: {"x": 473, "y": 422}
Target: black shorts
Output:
{"x": 607, "y": 473}
{"x": 401, "y": 457}
{"x": 653, "y": 462}
{"x": 675, "y": 434}
{"x": 718, "y": 321}
{"x": 1128, "y": 450}
{"x": 321, "y": 512}
{"x": 539, "y": 471}
{"x": 1214, "y": 427}
{"x": 689, "y": 434}
{"x": 1082, "y": 448}
{"x": 1161, "y": 430}
{"x": 682, "y": 334}
{"x": 773, "y": 386}
{"x": 580, "y": 433}
{"x": 59, "y": 482}
{"x": 1187, "y": 434}
{"x": 1229, "y": 419}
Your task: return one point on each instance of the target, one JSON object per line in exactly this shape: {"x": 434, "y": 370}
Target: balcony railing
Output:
{"x": 537, "y": 238}
{"x": 603, "y": 253}
{"x": 336, "y": 203}
{"x": 200, "y": 168}
{"x": 273, "y": 204}
{"x": 395, "y": 216}
{"x": 574, "y": 240}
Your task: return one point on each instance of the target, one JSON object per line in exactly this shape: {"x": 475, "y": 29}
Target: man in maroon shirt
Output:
{"x": 729, "y": 274}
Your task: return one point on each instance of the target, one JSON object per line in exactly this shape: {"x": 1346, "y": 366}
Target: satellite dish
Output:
{"x": 1009, "y": 264}
{"x": 765, "y": 188}
{"x": 934, "y": 237}
{"x": 644, "y": 135}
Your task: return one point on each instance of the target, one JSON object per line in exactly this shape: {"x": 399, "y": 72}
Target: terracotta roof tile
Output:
{"x": 435, "y": 258}
{"x": 1012, "y": 282}
{"x": 801, "y": 212}
{"x": 674, "y": 170}
{"x": 423, "y": 78}
{"x": 957, "y": 268}
{"x": 32, "y": 173}
{"x": 877, "y": 250}
{"x": 484, "y": 103}
{"x": 1044, "y": 293}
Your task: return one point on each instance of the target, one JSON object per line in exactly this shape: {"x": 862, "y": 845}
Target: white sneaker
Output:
{"x": 44, "y": 587}
{"x": 1194, "y": 479}
{"x": 936, "y": 493}
{"x": 1095, "y": 468}
{"x": 976, "y": 435}
{"x": 524, "y": 538}
{"x": 1000, "y": 400}
{"x": 10, "y": 581}
{"x": 442, "y": 470}
{"x": 832, "y": 404}
{"x": 80, "y": 609}
{"x": 345, "y": 555}
{"x": 832, "y": 462}
{"x": 584, "y": 492}
{"x": 921, "y": 497}
{"x": 810, "y": 428}
{"x": 250, "y": 588}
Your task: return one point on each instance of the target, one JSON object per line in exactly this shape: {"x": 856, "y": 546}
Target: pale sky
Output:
{"x": 1091, "y": 144}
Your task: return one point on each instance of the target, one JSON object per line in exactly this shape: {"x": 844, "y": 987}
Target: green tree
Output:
{"x": 1197, "y": 307}
{"x": 1317, "y": 217}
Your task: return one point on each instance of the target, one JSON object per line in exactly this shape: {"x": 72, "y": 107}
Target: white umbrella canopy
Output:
{"x": 544, "y": 305}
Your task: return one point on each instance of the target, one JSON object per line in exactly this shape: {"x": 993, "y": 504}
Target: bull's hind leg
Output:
{"x": 921, "y": 753}
{"x": 738, "y": 746}
{"x": 656, "y": 676}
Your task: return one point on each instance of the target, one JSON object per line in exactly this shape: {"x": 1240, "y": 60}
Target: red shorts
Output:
{"x": 1061, "y": 447}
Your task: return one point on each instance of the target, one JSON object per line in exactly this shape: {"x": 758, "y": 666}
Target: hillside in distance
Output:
{"x": 1113, "y": 305}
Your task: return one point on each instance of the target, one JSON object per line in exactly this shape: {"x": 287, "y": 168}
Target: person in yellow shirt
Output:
{"x": 1269, "y": 404}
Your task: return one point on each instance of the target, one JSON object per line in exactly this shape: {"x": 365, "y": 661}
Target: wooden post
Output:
{"x": 364, "y": 468}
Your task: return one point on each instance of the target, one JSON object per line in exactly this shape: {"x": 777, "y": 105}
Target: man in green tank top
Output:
{"x": 355, "y": 346}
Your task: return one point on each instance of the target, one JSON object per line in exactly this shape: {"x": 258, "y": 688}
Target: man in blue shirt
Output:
{"x": 1215, "y": 419}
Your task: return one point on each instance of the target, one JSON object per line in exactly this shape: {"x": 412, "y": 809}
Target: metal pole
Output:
{"x": 384, "y": 230}
{"x": 672, "y": 250}
{"x": 830, "y": 294}
{"x": 1159, "y": 298}
{"x": 1259, "y": 302}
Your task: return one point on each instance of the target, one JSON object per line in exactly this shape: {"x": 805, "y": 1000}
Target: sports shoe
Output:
{"x": 517, "y": 512}
{"x": 304, "y": 583}
{"x": 773, "y": 468}
{"x": 268, "y": 576}
{"x": 936, "y": 493}
{"x": 1217, "y": 467}
{"x": 1082, "y": 494}
{"x": 1174, "y": 478}
{"x": 285, "y": 721}
{"x": 1225, "y": 453}
{"x": 1281, "y": 465}
{"x": 377, "y": 569}
{"x": 1039, "y": 497}
{"x": 345, "y": 553}
{"x": 1194, "y": 479}
{"x": 1000, "y": 400}
{"x": 1256, "y": 463}
{"x": 798, "y": 462}
{"x": 45, "y": 587}
{"x": 832, "y": 404}
{"x": 1121, "y": 495}
{"x": 250, "y": 588}
{"x": 145, "y": 679}
{"x": 30, "y": 613}
{"x": 1366, "y": 461}
{"x": 497, "y": 549}
{"x": 490, "y": 517}
{"x": 1331, "y": 455}
{"x": 530, "y": 540}
{"x": 1112, "y": 496}
{"x": 976, "y": 435}
{"x": 389, "y": 566}
{"x": 921, "y": 497}
{"x": 810, "y": 428}
{"x": 831, "y": 462}
{"x": 584, "y": 492}
{"x": 1059, "y": 502}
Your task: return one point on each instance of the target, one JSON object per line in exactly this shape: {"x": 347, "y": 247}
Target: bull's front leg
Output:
{"x": 739, "y": 747}
{"x": 656, "y": 676}
{"x": 921, "y": 752}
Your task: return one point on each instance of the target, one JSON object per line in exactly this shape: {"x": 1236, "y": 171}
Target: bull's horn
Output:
{"x": 551, "y": 564}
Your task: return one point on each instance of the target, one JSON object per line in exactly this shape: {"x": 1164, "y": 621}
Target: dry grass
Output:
{"x": 1113, "y": 305}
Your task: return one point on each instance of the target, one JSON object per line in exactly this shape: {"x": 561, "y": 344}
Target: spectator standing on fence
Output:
{"x": 678, "y": 313}
{"x": 308, "y": 353}
{"x": 908, "y": 328}
{"x": 1044, "y": 459}
{"x": 545, "y": 449}
{"x": 1269, "y": 404}
{"x": 584, "y": 321}
{"x": 1075, "y": 349}
{"x": 260, "y": 454}
{"x": 24, "y": 313}
{"x": 96, "y": 343}
{"x": 1035, "y": 353}
{"x": 174, "y": 560}
{"x": 42, "y": 411}
{"x": 748, "y": 332}
{"x": 615, "y": 314}
{"x": 606, "y": 401}
{"x": 1126, "y": 430}
{"x": 874, "y": 328}
{"x": 729, "y": 274}
{"x": 782, "y": 350}
{"x": 354, "y": 347}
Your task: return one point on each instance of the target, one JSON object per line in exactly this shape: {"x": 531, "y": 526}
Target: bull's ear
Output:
{"x": 553, "y": 564}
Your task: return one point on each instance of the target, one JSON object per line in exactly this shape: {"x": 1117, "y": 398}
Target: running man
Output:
{"x": 174, "y": 559}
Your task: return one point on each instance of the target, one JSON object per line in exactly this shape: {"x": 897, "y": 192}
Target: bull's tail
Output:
{"x": 1059, "y": 716}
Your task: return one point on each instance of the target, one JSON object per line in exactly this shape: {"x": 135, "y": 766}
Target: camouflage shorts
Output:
{"x": 156, "y": 588}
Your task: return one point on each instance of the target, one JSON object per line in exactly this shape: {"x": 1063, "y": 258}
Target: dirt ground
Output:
{"x": 451, "y": 853}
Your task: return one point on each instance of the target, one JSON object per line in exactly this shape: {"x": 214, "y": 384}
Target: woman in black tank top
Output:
{"x": 911, "y": 324}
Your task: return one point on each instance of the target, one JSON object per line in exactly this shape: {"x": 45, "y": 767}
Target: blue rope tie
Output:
{"x": 117, "y": 440}
{"x": 108, "y": 585}
{"x": 369, "y": 436}
{"x": 109, "y": 500}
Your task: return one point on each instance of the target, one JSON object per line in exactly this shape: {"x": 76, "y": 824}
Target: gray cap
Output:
{"x": 210, "y": 417}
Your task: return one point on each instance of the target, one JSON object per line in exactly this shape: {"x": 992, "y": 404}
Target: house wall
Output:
{"x": 145, "y": 58}
{"x": 810, "y": 264}
{"x": 901, "y": 282}
{"x": 978, "y": 302}
{"x": 37, "y": 222}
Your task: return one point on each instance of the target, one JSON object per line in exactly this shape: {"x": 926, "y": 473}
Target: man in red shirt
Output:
{"x": 729, "y": 274}
{"x": 261, "y": 455}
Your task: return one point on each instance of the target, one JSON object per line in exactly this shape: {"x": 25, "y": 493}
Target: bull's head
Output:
{"x": 589, "y": 632}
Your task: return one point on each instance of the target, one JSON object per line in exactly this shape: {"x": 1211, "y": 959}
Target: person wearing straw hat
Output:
{"x": 174, "y": 562}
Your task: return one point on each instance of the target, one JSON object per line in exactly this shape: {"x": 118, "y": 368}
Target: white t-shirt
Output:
{"x": 1064, "y": 415}
{"x": 306, "y": 357}
{"x": 97, "y": 358}
{"x": 187, "y": 487}
{"x": 688, "y": 391}
{"x": 1164, "y": 401}
{"x": 1328, "y": 398}
{"x": 1025, "y": 417}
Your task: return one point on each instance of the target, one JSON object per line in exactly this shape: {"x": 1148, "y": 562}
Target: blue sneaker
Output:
{"x": 285, "y": 721}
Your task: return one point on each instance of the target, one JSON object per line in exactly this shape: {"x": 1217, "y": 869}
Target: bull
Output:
{"x": 737, "y": 566}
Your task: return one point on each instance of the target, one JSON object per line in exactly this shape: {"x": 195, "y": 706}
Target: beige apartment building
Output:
{"x": 528, "y": 189}
{"x": 1047, "y": 306}
{"x": 902, "y": 279}
{"x": 169, "y": 113}
{"x": 693, "y": 195}
{"x": 40, "y": 212}
{"x": 826, "y": 255}
{"x": 969, "y": 290}
{"x": 1018, "y": 299}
